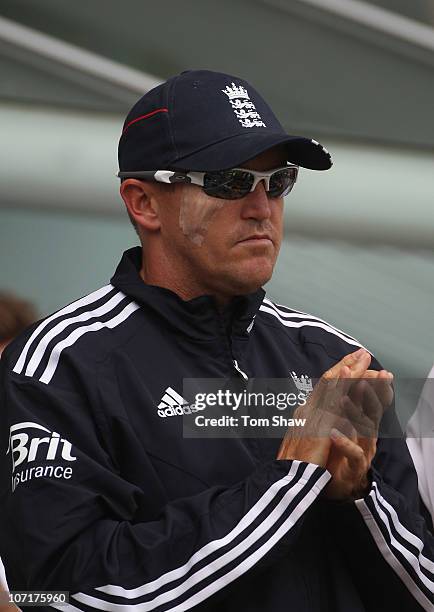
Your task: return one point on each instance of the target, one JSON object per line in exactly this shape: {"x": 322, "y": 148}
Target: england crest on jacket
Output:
{"x": 303, "y": 383}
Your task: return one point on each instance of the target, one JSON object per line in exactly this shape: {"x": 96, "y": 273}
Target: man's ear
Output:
{"x": 140, "y": 198}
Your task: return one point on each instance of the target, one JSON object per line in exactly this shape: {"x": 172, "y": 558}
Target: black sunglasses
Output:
{"x": 226, "y": 184}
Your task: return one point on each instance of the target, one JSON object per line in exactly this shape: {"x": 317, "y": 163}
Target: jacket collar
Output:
{"x": 198, "y": 318}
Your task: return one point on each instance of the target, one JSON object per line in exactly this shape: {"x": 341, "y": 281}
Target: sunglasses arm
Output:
{"x": 165, "y": 176}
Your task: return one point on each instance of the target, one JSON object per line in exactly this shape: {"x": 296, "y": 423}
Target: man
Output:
{"x": 106, "y": 497}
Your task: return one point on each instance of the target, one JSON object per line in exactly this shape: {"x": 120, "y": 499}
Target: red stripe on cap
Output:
{"x": 159, "y": 110}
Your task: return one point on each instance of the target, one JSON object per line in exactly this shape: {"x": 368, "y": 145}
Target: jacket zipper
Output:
{"x": 227, "y": 342}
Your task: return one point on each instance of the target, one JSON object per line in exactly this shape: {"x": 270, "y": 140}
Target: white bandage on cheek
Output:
{"x": 196, "y": 213}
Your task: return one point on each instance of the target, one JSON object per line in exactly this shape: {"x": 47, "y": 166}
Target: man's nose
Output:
{"x": 256, "y": 204}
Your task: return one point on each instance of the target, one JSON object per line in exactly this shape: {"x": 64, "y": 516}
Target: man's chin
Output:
{"x": 251, "y": 277}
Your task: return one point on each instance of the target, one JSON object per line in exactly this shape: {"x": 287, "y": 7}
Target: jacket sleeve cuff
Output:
{"x": 401, "y": 537}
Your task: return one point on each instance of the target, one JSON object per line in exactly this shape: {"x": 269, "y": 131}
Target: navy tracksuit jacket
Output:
{"x": 102, "y": 496}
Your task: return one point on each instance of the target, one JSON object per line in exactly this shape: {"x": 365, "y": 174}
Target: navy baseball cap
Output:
{"x": 201, "y": 120}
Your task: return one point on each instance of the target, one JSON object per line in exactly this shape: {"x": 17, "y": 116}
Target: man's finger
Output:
{"x": 382, "y": 385}
{"x": 384, "y": 388}
{"x": 358, "y": 357}
{"x": 369, "y": 447}
{"x": 364, "y": 397}
{"x": 360, "y": 422}
{"x": 362, "y": 363}
{"x": 351, "y": 451}
{"x": 339, "y": 376}
{"x": 373, "y": 395}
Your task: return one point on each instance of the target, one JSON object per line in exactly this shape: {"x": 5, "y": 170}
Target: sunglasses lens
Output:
{"x": 281, "y": 182}
{"x": 235, "y": 184}
{"x": 228, "y": 184}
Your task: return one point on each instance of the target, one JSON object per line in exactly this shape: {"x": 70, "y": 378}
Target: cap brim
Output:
{"x": 233, "y": 151}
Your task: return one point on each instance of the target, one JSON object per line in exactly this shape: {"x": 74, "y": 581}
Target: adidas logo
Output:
{"x": 173, "y": 404}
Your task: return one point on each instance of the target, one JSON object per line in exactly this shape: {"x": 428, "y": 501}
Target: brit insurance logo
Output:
{"x": 37, "y": 452}
{"x": 173, "y": 404}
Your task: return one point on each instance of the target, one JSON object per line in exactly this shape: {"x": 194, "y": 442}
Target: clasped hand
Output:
{"x": 343, "y": 414}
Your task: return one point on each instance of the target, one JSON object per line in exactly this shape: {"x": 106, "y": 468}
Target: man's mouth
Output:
{"x": 257, "y": 238}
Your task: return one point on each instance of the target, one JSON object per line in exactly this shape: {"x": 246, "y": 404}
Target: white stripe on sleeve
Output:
{"x": 323, "y": 326}
{"x": 88, "y": 299}
{"x": 387, "y": 550}
{"x": 39, "y": 352}
{"x": 298, "y": 314}
{"x": 248, "y": 543}
{"x": 80, "y": 331}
